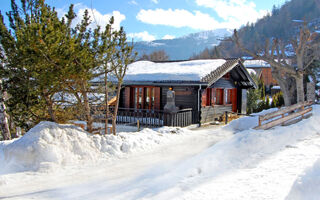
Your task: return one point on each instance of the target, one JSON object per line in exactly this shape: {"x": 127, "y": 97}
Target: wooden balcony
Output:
{"x": 157, "y": 118}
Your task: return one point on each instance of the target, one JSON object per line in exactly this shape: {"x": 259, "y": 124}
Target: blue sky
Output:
{"x": 158, "y": 19}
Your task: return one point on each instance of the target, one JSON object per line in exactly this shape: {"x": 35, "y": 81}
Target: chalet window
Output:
{"x": 149, "y": 98}
{"x": 219, "y": 96}
{"x": 228, "y": 96}
{"x": 144, "y": 98}
{"x": 207, "y": 97}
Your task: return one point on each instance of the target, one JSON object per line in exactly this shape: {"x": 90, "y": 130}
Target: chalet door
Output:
{"x": 145, "y": 98}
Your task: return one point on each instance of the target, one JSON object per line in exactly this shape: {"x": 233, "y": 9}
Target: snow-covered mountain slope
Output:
{"x": 169, "y": 163}
{"x": 183, "y": 47}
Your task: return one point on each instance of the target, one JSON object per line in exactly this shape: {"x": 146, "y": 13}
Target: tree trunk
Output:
{"x": 287, "y": 96}
{"x": 114, "y": 117}
{"x": 284, "y": 84}
{"x": 50, "y": 108}
{"x": 4, "y": 122}
{"x": 300, "y": 88}
{"x": 299, "y": 77}
{"x": 106, "y": 103}
{"x": 87, "y": 109}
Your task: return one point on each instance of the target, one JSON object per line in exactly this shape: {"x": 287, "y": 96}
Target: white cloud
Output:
{"x": 155, "y": 1}
{"x": 96, "y": 17}
{"x": 234, "y": 12}
{"x": 177, "y": 18}
{"x": 144, "y": 36}
{"x": 133, "y": 2}
{"x": 168, "y": 37}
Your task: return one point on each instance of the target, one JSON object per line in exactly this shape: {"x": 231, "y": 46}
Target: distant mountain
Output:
{"x": 183, "y": 47}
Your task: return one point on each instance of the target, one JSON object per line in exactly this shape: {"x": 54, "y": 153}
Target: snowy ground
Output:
{"x": 62, "y": 162}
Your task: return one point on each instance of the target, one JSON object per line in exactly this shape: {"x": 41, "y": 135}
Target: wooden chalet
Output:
{"x": 204, "y": 90}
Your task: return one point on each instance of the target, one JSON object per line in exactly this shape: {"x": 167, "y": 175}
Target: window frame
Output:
{"x": 140, "y": 98}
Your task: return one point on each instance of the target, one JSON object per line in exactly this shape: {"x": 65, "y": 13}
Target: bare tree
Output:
{"x": 160, "y": 55}
{"x": 289, "y": 76}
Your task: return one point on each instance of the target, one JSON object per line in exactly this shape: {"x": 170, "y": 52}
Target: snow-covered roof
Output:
{"x": 276, "y": 87}
{"x": 251, "y": 71}
{"x": 192, "y": 70}
{"x": 261, "y": 63}
{"x": 255, "y": 63}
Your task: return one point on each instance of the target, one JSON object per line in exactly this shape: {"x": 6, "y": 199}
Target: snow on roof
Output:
{"x": 171, "y": 71}
{"x": 276, "y": 87}
{"x": 255, "y": 63}
{"x": 251, "y": 71}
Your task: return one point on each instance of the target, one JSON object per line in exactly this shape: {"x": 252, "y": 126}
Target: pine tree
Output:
{"x": 37, "y": 52}
{"x": 123, "y": 57}
{"x": 106, "y": 52}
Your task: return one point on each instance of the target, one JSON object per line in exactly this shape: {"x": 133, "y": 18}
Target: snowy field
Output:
{"x": 232, "y": 162}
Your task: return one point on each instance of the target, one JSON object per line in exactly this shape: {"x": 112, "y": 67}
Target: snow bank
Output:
{"x": 308, "y": 185}
{"x": 244, "y": 150}
{"x": 49, "y": 145}
{"x": 246, "y": 147}
{"x": 245, "y": 123}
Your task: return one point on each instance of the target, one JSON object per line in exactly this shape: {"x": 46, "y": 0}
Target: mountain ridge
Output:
{"x": 183, "y": 47}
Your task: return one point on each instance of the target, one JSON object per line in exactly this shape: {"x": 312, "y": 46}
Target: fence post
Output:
{"x": 226, "y": 113}
{"x": 138, "y": 125}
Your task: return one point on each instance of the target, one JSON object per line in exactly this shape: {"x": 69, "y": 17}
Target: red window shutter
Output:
{"x": 127, "y": 97}
{"x": 234, "y": 100}
{"x": 204, "y": 98}
{"x": 208, "y": 97}
{"x": 213, "y": 95}
{"x": 157, "y": 98}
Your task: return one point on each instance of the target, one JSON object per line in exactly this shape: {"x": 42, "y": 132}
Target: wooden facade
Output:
{"x": 199, "y": 101}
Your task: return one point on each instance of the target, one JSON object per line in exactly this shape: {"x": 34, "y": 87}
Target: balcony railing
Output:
{"x": 156, "y": 118}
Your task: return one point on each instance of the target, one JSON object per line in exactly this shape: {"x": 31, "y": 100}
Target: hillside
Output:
{"x": 283, "y": 23}
{"x": 183, "y": 47}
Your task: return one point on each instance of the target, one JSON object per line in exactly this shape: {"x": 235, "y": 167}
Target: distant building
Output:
{"x": 263, "y": 71}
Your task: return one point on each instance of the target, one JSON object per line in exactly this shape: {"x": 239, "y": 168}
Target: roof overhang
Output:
{"x": 243, "y": 78}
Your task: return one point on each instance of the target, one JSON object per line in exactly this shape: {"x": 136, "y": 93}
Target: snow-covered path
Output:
{"x": 90, "y": 181}
{"x": 272, "y": 178}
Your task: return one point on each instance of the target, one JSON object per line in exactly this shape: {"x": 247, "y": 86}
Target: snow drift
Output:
{"x": 244, "y": 150}
{"x": 247, "y": 122}
{"x": 308, "y": 185}
{"x": 49, "y": 145}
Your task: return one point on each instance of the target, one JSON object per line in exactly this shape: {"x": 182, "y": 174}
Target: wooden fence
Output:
{"x": 285, "y": 116}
